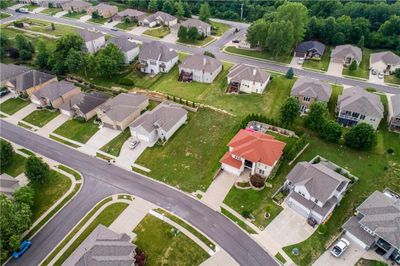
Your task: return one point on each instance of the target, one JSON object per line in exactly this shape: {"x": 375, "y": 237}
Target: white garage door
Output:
{"x": 356, "y": 240}
{"x": 298, "y": 207}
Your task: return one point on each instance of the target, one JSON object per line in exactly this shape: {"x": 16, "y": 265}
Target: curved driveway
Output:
{"x": 102, "y": 180}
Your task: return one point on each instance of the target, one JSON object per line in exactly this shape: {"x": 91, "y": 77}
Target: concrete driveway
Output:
{"x": 375, "y": 79}
{"x": 335, "y": 69}
{"x": 128, "y": 156}
{"x": 60, "y": 14}
{"x": 138, "y": 30}
{"x": 295, "y": 62}
{"x": 218, "y": 190}
{"x": 85, "y": 18}
{"x": 111, "y": 25}
{"x": 18, "y": 116}
{"x": 15, "y": 7}
{"x": 102, "y": 137}
{"x": 52, "y": 125}
{"x": 171, "y": 38}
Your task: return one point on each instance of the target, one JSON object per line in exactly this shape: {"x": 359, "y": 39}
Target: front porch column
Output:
{"x": 389, "y": 253}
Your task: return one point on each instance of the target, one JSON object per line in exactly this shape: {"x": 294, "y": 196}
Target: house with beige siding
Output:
{"x": 200, "y": 68}
{"x": 247, "y": 78}
{"x": 104, "y": 10}
{"x": 29, "y": 82}
{"x": 76, "y": 6}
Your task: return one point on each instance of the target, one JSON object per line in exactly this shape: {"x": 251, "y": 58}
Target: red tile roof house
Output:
{"x": 252, "y": 150}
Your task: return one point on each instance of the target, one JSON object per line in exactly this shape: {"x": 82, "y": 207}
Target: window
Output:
{"x": 316, "y": 201}
{"x": 306, "y": 99}
{"x": 355, "y": 115}
{"x": 362, "y": 117}
{"x": 261, "y": 171}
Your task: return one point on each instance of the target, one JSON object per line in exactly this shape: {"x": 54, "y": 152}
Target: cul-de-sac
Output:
{"x": 200, "y": 132}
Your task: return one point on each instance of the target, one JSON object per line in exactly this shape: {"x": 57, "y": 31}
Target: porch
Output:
{"x": 233, "y": 87}
{"x": 185, "y": 76}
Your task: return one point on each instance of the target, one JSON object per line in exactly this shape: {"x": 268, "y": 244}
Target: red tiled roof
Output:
{"x": 228, "y": 159}
{"x": 256, "y": 147}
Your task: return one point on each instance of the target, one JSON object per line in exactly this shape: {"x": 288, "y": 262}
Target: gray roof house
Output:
{"x": 156, "y": 57}
{"x": 129, "y": 48}
{"x": 200, "y": 68}
{"x": 8, "y": 184}
{"x": 201, "y": 26}
{"x": 356, "y": 105}
{"x": 76, "y": 6}
{"x": 394, "y": 113}
{"x": 158, "y": 18}
{"x": 345, "y": 54}
{"x": 83, "y": 104}
{"x": 384, "y": 62}
{"x": 376, "y": 224}
{"x": 104, "y": 10}
{"x": 159, "y": 124}
{"x": 247, "y": 78}
{"x": 130, "y": 13}
{"x": 307, "y": 91}
{"x": 92, "y": 40}
{"x": 29, "y": 81}
{"x": 119, "y": 112}
{"x": 315, "y": 189}
{"x": 103, "y": 247}
{"x": 10, "y": 71}
{"x": 310, "y": 49}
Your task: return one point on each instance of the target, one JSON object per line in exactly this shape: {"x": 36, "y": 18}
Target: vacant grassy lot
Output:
{"x": 44, "y": 26}
{"x": 115, "y": 145}
{"x": 319, "y": 64}
{"x": 336, "y": 91}
{"x": 392, "y": 79}
{"x": 78, "y": 131}
{"x": 286, "y": 58}
{"x": 159, "y": 32}
{"x": 197, "y": 42}
{"x": 4, "y": 15}
{"x": 13, "y": 105}
{"x": 40, "y": 118}
{"x": 190, "y": 162}
{"x": 126, "y": 26}
{"x": 51, "y": 11}
{"x": 162, "y": 247}
{"x": 75, "y": 15}
{"x": 16, "y": 167}
{"x": 220, "y": 27}
{"x": 362, "y": 70}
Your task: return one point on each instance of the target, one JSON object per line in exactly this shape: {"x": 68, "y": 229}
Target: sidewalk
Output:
{"x": 47, "y": 129}
{"x": 15, "y": 118}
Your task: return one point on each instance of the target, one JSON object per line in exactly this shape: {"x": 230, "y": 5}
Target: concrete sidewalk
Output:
{"x": 18, "y": 116}
{"x": 47, "y": 129}
{"x": 221, "y": 258}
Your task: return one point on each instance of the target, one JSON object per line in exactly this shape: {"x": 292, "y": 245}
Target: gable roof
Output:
{"x": 247, "y": 72}
{"x": 8, "y": 184}
{"x": 312, "y": 88}
{"x": 164, "y": 116}
{"x": 85, "y": 102}
{"x": 388, "y": 57}
{"x": 160, "y": 15}
{"x": 342, "y": 51}
{"x": 191, "y": 22}
{"x": 55, "y": 90}
{"x": 129, "y": 12}
{"x": 201, "y": 62}
{"x": 156, "y": 51}
{"x": 356, "y": 99}
{"x": 306, "y": 46}
{"x": 9, "y": 71}
{"x": 102, "y": 7}
{"x": 77, "y": 4}
{"x": 123, "y": 43}
{"x": 319, "y": 180}
{"x": 381, "y": 214}
{"x": 395, "y": 104}
{"x": 89, "y": 36}
{"x": 30, "y": 79}
{"x": 256, "y": 147}
{"x": 122, "y": 106}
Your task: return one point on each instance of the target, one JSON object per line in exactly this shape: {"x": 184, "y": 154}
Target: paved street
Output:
{"x": 102, "y": 180}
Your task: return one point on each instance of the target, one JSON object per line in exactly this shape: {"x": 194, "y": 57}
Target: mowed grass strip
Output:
{"x": 115, "y": 145}
{"x": 77, "y": 130}
{"x": 162, "y": 247}
{"x": 159, "y": 32}
{"x": 15, "y": 167}
{"x": 286, "y": 58}
{"x": 40, "y": 118}
{"x": 13, "y": 105}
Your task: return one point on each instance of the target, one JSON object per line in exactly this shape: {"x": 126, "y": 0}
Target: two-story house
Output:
{"x": 155, "y": 57}
{"x": 248, "y": 79}
{"x": 253, "y": 150}
{"x": 200, "y": 68}
{"x": 376, "y": 224}
{"x": 202, "y": 27}
{"x": 92, "y": 41}
{"x": 394, "y": 113}
{"x": 307, "y": 91}
{"x": 315, "y": 190}
{"x": 128, "y": 48}
{"x": 356, "y": 105}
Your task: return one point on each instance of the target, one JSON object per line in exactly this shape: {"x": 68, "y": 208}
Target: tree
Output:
{"x": 74, "y": 61}
{"x": 3, "y": 45}
{"x": 353, "y": 65}
{"x": 297, "y": 15}
{"x": 68, "y": 42}
{"x": 179, "y": 11}
{"x": 257, "y": 33}
{"x": 36, "y": 170}
{"x": 331, "y": 131}
{"x": 25, "y": 55}
{"x": 192, "y": 34}
{"x": 205, "y": 12}
{"x": 289, "y": 111}
{"x": 168, "y": 7}
{"x": 280, "y": 38}
{"x": 361, "y": 42}
{"x": 42, "y": 57}
{"x": 207, "y": 53}
{"x": 360, "y": 137}
{"x": 53, "y": 27}
{"x": 95, "y": 14}
{"x": 187, "y": 10}
{"x": 316, "y": 116}
{"x": 24, "y": 195}
{"x": 397, "y": 73}
{"x": 6, "y": 153}
{"x": 289, "y": 73}
{"x": 22, "y": 43}
{"x": 182, "y": 33}
{"x": 109, "y": 60}
{"x": 153, "y": 6}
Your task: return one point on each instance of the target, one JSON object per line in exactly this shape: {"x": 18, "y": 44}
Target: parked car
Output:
{"x": 4, "y": 92}
{"x": 373, "y": 72}
{"x": 133, "y": 144}
{"x": 301, "y": 60}
{"x": 22, "y": 10}
{"x": 311, "y": 221}
{"x": 381, "y": 75}
{"x": 114, "y": 29}
{"x": 235, "y": 41}
{"x": 22, "y": 248}
{"x": 340, "y": 247}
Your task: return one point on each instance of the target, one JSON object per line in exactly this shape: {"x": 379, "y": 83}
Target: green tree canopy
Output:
{"x": 361, "y": 137}
{"x": 109, "y": 60}
{"x": 182, "y": 33}
{"x": 3, "y": 44}
{"x": 74, "y": 60}
{"x": 280, "y": 38}
{"x": 153, "y": 6}
{"x": 6, "y": 153}
{"x": 179, "y": 10}
{"x": 24, "y": 195}
{"x": 289, "y": 111}
{"x": 168, "y": 7}
{"x": 331, "y": 131}
{"x": 297, "y": 14}
{"x": 205, "y": 12}
{"x": 257, "y": 33}
{"x": 315, "y": 118}
{"x": 36, "y": 170}
{"x": 42, "y": 57}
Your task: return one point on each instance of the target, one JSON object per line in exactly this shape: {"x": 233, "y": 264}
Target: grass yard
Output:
{"x": 40, "y": 118}
{"x": 49, "y": 192}
{"x": 159, "y": 32}
{"x": 190, "y": 162}
{"x": 197, "y": 42}
{"x": 260, "y": 54}
{"x": 51, "y": 11}
{"x": 99, "y": 20}
{"x": 392, "y": 79}
{"x": 336, "y": 91}
{"x": 43, "y": 26}
{"x": 76, "y": 175}
{"x": 237, "y": 221}
{"x": 279, "y": 257}
{"x": 106, "y": 217}
{"x": 365, "y": 262}
{"x": 319, "y": 64}
{"x": 4, "y": 15}
{"x": 16, "y": 166}
{"x": 115, "y": 145}
{"x": 362, "y": 70}
{"x": 64, "y": 141}
{"x": 13, "y": 105}
{"x": 152, "y": 105}
{"x": 75, "y": 15}
{"x": 78, "y": 131}
{"x": 31, "y": 7}
{"x": 220, "y": 27}
{"x": 163, "y": 247}
{"x": 126, "y": 26}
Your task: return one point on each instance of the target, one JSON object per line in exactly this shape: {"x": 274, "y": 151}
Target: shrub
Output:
{"x": 13, "y": 52}
{"x": 257, "y": 180}
{"x": 26, "y": 54}
{"x": 36, "y": 170}
{"x": 322, "y": 229}
{"x": 397, "y": 73}
{"x": 80, "y": 119}
{"x": 18, "y": 24}
{"x": 360, "y": 137}
{"x": 390, "y": 151}
{"x": 207, "y": 53}
{"x": 246, "y": 214}
{"x": 6, "y": 153}
{"x": 353, "y": 65}
{"x": 317, "y": 160}
{"x": 290, "y": 73}
{"x": 126, "y": 81}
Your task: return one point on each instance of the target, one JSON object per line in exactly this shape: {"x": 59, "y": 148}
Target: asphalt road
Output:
{"x": 102, "y": 180}
{"x": 215, "y": 48}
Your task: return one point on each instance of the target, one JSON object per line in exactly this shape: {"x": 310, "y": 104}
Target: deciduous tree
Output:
{"x": 42, "y": 57}
{"x": 280, "y": 38}
{"x": 289, "y": 111}
{"x": 6, "y": 153}
{"x": 109, "y": 60}
{"x": 205, "y": 12}
{"x": 360, "y": 137}
{"x": 36, "y": 170}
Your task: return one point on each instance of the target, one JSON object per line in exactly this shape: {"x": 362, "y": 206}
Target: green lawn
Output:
{"x": 78, "y": 131}
{"x": 74, "y": 15}
{"x": 392, "y": 79}
{"x": 260, "y": 54}
{"x": 336, "y": 91}
{"x": 365, "y": 262}
{"x": 162, "y": 247}
{"x": 190, "y": 162}
{"x": 40, "y": 118}
{"x": 4, "y": 15}
{"x": 319, "y": 64}
{"x": 106, "y": 217}
{"x": 64, "y": 141}
{"x": 16, "y": 167}
{"x": 126, "y": 26}
{"x": 220, "y": 27}
{"x": 115, "y": 145}
{"x": 51, "y": 11}
{"x": 13, "y": 105}
{"x": 237, "y": 221}
{"x": 279, "y": 257}
{"x": 362, "y": 70}
{"x": 197, "y": 42}
{"x": 76, "y": 175}
{"x": 31, "y": 7}
{"x": 99, "y": 20}
{"x": 49, "y": 192}
{"x": 44, "y": 26}
{"x": 159, "y": 32}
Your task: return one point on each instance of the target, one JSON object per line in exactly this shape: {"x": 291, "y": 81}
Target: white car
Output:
{"x": 133, "y": 144}
{"x": 301, "y": 60}
{"x": 381, "y": 75}
{"x": 340, "y": 247}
